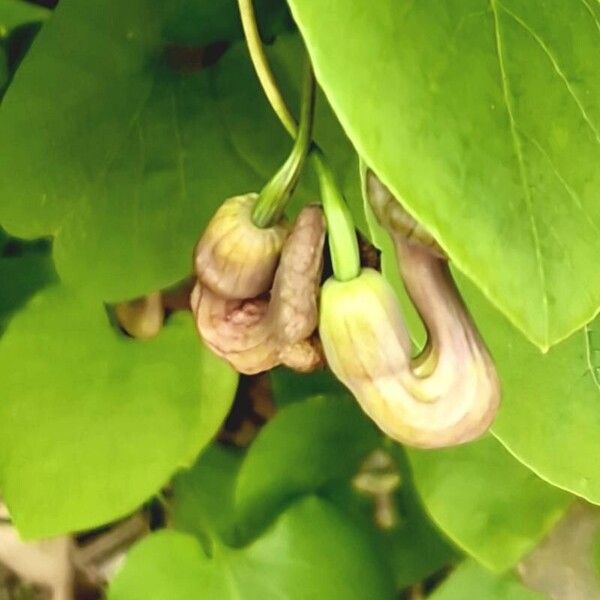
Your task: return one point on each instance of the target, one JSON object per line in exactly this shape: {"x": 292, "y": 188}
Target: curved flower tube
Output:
{"x": 392, "y": 216}
{"x": 257, "y": 334}
{"x": 235, "y": 258}
{"x": 446, "y": 396}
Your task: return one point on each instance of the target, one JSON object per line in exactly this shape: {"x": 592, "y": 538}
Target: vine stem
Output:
{"x": 276, "y": 194}
{"x": 262, "y": 68}
{"x": 342, "y": 235}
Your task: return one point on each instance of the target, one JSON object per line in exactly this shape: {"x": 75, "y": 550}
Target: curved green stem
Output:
{"x": 343, "y": 245}
{"x": 261, "y": 65}
{"x": 276, "y": 194}
{"x": 342, "y": 235}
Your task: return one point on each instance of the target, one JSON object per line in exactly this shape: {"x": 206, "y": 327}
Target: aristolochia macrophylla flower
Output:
{"x": 256, "y": 334}
{"x": 235, "y": 258}
{"x": 450, "y": 393}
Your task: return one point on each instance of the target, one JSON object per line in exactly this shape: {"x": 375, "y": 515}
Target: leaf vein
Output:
{"x": 565, "y": 184}
{"x": 518, "y": 150}
{"x": 591, "y": 11}
{"x": 557, "y": 68}
{"x": 593, "y": 370}
{"x": 112, "y": 155}
{"x": 228, "y": 136}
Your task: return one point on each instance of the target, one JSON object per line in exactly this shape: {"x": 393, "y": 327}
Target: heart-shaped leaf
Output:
{"x": 484, "y": 118}
{"x": 93, "y": 422}
{"x": 311, "y": 553}
{"x": 278, "y": 468}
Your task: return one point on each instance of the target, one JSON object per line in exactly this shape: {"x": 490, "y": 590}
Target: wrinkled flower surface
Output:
{"x": 259, "y": 332}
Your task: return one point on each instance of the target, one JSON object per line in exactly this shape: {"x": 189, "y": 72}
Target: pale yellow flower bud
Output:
{"x": 235, "y": 258}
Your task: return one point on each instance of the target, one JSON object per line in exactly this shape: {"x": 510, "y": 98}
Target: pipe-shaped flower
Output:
{"x": 450, "y": 393}
{"x": 256, "y": 334}
{"x": 235, "y": 258}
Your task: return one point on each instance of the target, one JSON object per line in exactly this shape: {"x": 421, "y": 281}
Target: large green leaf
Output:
{"x": 126, "y": 184}
{"x": 484, "y": 118}
{"x": 489, "y": 504}
{"x": 549, "y": 416}
{"x": 94, "y": 422}
{"x": 306, "y": 446}
{"x": 311, "y": 553}
{"x": 470, "y": 580}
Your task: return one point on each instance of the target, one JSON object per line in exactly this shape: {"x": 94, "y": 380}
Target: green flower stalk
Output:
{"x": 446, "y": 396}
{"x": 343, "y": 245}
{"x": 259, "y": 333}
